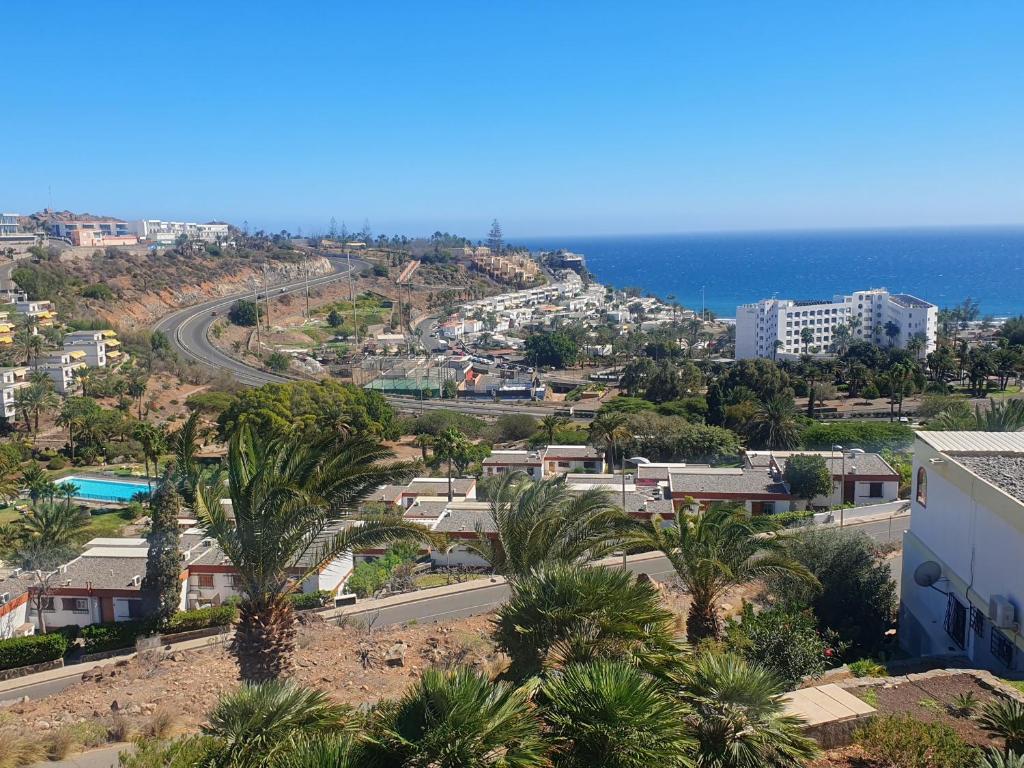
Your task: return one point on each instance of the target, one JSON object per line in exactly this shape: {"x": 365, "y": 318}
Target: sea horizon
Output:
{"x": 943, "y": 265}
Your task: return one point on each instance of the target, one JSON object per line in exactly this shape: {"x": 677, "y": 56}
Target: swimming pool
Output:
{"x": 96, "y": 489}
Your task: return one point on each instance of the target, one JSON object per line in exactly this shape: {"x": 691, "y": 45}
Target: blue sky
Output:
{"x": 557, "y": 118}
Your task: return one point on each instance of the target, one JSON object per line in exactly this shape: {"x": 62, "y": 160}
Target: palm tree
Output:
{"x": 68, "y": 490}
{"x": 450, "y": 446}
{"x": 608, "y": 431}
{"x": 456, "y": 719}
{"x": 33, "y": 399}
{"x": 59, "y": 525}
{"x": 1007, "y": 416}
{"x": 537, "y": 524}
{"x": 260, "y": 724}
{"x": 38, "y": 482}
{"x": 551, "y": 424}
{"x": 713, "y": 552}
{"x": 775, "y": 425}
{"x": 153, "y": 442}
{"x": 184, "y": 443}
{"x": 566, "y": 615}
{"x": 423, "y": 441}
{"x": 74, "y": 414}
{"x": 738, "y": 718}
{"x": 136, "y": 389}
{"x": 293, "y": 509}
{"x": 806, "y": 337}
{"x": 611, "y": 714}
{"x": 892, "y": 330}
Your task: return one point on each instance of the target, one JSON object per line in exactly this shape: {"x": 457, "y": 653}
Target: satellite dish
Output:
{"x": 927, "y": 573}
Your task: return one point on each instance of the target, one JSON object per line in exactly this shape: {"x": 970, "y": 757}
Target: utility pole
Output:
{"x": 266, "y": 295}
{"x": 306, "y": 271}
{"x": 256, "y": 302}
{"x": 352, "y": 295}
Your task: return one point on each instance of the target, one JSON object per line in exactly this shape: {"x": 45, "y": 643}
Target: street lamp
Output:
{"x": 636, "y": 460}
{"x": 842, "y": 508}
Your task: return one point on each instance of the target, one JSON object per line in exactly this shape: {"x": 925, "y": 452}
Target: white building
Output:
{"x": 61, "y": 368}
{"x": 8, "y": 224}
{"x": 774, "y": 327}
{"x": 166, "y": 232}
{"x": 96, "y": 346}
{"x": 11, "y": 380}
{"x": 962, "y": 589}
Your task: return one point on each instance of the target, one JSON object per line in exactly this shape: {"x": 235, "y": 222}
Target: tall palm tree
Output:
{"x": 611, "y": 714}
{"x": 184, "y": 443}
{"x": 136, "y": 389}
{"x": 738, "y": 718}
{"x": 37, "y": 481}
{"x": 153, "y": 442}
{"x": 608, "y": 431}
{"x": 551, "y": 424}
{"x": 1006, "y": 416}
{"x": 711, "y": 553}
{"x": 30, "y": 401}
{"x": 456, "y": 719}
{"x": 423, "y": 441}
{"x": 450, "y": 446}
{"x": 537, "y": 524}
{"x": 294, "y": 504}
{"x": 566, "y": 614}
{"x": 775, "y": 425}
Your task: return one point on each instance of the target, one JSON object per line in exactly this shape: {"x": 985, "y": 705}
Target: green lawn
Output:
{"x": 102, "y": 524}
{"x": 428, "y": 580}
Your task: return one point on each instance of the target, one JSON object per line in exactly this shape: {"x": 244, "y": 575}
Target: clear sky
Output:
{"x": 555, "y": 117}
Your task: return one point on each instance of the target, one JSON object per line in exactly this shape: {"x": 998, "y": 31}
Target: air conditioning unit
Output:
{"x": 5, "y": 598}
{"x": 1001, "y": 612}
{"x": 136, "y": 581}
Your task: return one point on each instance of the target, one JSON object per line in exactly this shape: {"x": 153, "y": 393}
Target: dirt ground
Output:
{"x": 189, "y": 683}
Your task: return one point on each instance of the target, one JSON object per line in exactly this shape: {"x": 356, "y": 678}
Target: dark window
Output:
{"x": 977, "y": 622}
{"x": 135, "y": 609}
{"x": 922, "y": 487}
{"x": 1001, "y": 647}
{"x": 75, "y": 604}
{"x": 205, "y": 580}
{"x": 48, "y": 604}
{"x": 875, "y": 490}
{"x": 956, "y": 621}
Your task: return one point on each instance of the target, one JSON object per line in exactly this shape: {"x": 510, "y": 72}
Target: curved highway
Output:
{"x": 188, "y": 329}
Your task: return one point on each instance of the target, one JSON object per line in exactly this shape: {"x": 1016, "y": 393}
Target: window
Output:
{"x": 75, "y": 604}
{"x": 48, "y": 604}
{"x": 1001, "y": 647}
{"x": 956, "y": 621}
{"x": 205, "y": 580}
{"x": 135, "y": 609}
{"x": 922, "y": 487}
{"x": 977, "y": 622}
{"x": 875, "y": 490}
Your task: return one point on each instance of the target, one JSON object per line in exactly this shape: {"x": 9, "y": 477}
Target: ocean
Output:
{"x": 943, "y": 266}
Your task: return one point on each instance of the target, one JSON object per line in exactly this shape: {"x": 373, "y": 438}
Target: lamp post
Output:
{"x": 842, "y": 507}
{"x": 636, "y": 460}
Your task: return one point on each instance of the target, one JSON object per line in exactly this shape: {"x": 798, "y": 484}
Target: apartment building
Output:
{"x": 97, "y": 346}
{"x": 962, "y": 589}
{"x": 41, "y": 312}
{"x": 61, "y": 368}
{"x": 70, "y": 229}
{"x": 11, "y": 380}
{"x": 775, "y": 327}
{"x": 166, "y": 232}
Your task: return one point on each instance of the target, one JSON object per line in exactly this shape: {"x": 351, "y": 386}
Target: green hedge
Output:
{"x": 304, "y": 601}
{"x": 34, "y": 649}
{"x": 202, "y": 618}
{"x": 113, "y": 636}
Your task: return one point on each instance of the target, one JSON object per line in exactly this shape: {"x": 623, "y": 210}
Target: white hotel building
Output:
{"x": 772, "y": 327}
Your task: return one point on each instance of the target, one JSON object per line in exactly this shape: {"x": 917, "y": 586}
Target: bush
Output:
{"x": 113, "y": 636}
{"x": 202, "y": 618}
{"x": 243, "y": 313}
{"x": 278, "y": 361}
{"x": 514, "y": 426}
{"x": 870, "y": 392}
{"x": 380, "y": 271}
{"x": 34, "y": 649}
{"x": 306, "y": 601}
{"x": 436, "y": 422}
{"x": 99, "y": 291}
{"x": 785, "y": 642}
{"x": 869, "y": 435}
{"x": 867, "y": 668}
{"x": 56, "y": 463}
{"x": 902, "y": 742}
{"x": 857, "y": 597}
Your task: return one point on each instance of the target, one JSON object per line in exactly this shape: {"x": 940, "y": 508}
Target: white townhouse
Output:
{"x": 97, "y": 347}
{"x": 774, "y": 327}
{"x": 11, "y": 380}
{"x": 962, "y": 590}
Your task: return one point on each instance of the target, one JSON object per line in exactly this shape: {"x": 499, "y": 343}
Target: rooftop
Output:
{"x": 975, "y": 442}
{"x": 1004, "y": 472}
{"x": 572, "y": 452}
{"x": 906, "y": 300}
{"x": 751, "y": 482}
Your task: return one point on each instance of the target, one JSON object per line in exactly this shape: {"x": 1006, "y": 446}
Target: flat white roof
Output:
{"x": 140, "y": 552}
{"x": 974, "y": 442}
{"x": 115, "y": 542}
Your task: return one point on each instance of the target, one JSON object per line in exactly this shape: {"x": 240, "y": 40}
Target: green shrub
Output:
{"x": 869, "y": 435}
{"x": 1005, "y": 718}
{"x": 202, "y": 618}
{"x": 867, "y": 668}
{"x": 34, "y": 649}
{"x": 99, "y": 291}
{"x": 305, "y": 601}
{"x": 514, "y": 426}
{"x": 902, "y": 742}
{"x": 56, "y": 463}
{"x": 785, "y": 642}
{"x": 113, "y": 635}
